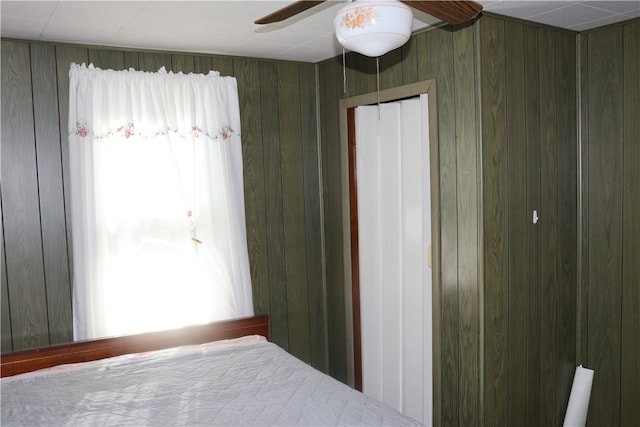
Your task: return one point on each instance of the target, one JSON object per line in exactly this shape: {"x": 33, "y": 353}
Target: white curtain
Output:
{"x": 157, "y": 201}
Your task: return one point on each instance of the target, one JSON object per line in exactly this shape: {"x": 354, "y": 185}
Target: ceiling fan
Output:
{"x": 453, "y": 11}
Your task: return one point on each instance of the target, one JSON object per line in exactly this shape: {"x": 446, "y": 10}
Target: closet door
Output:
{"x": 394, "y": 233}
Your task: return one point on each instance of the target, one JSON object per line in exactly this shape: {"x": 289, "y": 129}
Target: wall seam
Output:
{"x": 579, "y": 200}
{"x": 323, "y": 261}
{"x": 480, "y": 207}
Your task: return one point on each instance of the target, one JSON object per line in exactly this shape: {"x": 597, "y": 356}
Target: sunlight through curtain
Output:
{"x": 157, "y": 201}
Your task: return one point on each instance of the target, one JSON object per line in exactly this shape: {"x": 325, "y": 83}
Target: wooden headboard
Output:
{"x": 84, "y": 351}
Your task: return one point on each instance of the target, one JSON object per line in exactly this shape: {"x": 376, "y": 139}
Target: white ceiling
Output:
{"x": 227, "y": 28}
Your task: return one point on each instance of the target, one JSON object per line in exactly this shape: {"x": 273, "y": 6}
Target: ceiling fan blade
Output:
{"x": 454, "y": 11}
{"x": 288, "y": 11}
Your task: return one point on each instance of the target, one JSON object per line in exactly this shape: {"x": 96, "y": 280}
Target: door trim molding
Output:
{"x": 354, "y": 366}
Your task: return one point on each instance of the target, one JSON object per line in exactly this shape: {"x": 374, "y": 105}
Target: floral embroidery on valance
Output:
{"x": 129, "y": 130}
{"x": 145, "y": 105}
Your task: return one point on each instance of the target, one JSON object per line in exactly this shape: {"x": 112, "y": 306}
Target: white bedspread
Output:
{"x": 243, "y": 382}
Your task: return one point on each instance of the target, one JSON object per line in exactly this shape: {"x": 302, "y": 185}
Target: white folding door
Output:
{"x": 394, "y": 228}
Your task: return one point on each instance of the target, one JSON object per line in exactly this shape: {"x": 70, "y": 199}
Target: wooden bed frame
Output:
{"x": 84, "y": 351}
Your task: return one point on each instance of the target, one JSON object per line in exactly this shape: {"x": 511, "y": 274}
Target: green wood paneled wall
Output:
{"x": 507, "y": 123}
{"x": 449, "y": 58}
{"x": 278, "y": 107}
{"x": 610, "y": 286}
{"x": 528, "y": 81}
{"x": 34, "y": 246}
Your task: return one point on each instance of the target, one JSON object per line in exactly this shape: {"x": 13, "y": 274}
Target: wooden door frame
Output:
{"x": 350, "y": 227}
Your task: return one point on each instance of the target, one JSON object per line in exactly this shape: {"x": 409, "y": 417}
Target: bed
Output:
{"x": 225, "y": 373}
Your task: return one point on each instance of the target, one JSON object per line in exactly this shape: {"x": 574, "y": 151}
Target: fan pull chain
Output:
{"x": 344, "y": 72}
{"x": 378, "y": 84}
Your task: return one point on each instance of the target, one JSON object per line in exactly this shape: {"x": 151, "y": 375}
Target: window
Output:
{"x": 158, "y": 225}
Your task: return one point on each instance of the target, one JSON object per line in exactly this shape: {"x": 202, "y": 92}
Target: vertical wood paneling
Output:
{"x": 437, "y": 61}
{"x": 391, "y": 69}
{"x": 21, "y": 207}
{"x": 182, "y": 63}
{"x": 107, "y": 59}
{"x": 583, "y": 269}
{"x": 548, "y": 227}
{"x": 313, "y": 223}
{"x": 330, "y": 92}
{"x": 445, "y": 379}
{"x": 247, "y": 74}
{"x": 131, "y": 60}
{"x": 609, "y": 297}
{"x": 529, "y": 162}
{"x": 567, "y": 183}
{"x": 366, "y": 72}
{"x": 604, "y": 198}
{"x": 519, "y": 218}
{"x": 351, "y": 86}
{"x": 467, "y": 220}
{"x": 153, "y": 61}
{"x": 630, "y": 363}
{"x": 51, "y": 192}
{"x": 202, "y": 64}
{"x": 532, "y": 331}
{"x": 291, "y": 160}
{"x": 410, "y": 61}
{"x": 495, "y": 217}
{"x": 222, "y": 64}
{"x": 279, "y": 313}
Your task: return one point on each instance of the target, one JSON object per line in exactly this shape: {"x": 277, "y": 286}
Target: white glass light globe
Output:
{"x": 373, "y": 28}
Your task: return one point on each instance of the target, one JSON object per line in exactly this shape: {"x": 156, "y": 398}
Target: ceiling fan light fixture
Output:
{"x": 373, "y": 28}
